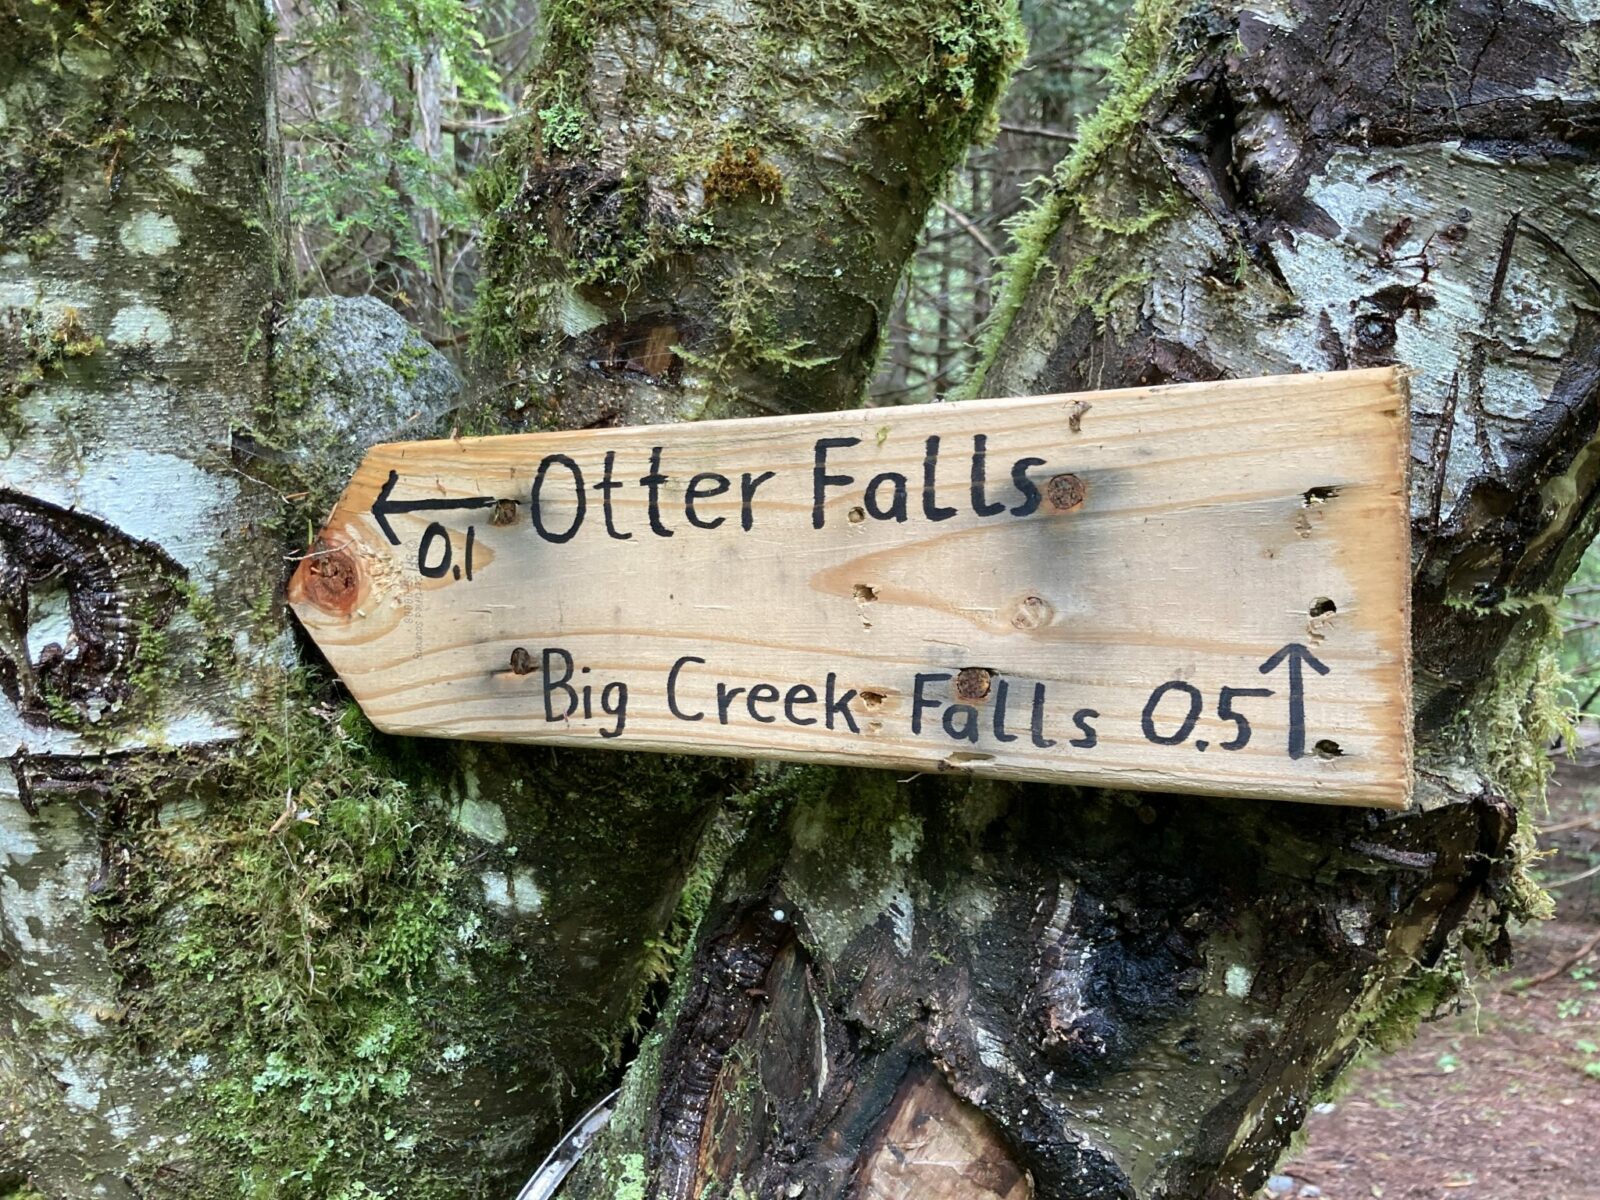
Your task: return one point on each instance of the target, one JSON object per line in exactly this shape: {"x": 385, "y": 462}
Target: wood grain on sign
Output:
{"x": 1200, "y": 587}
{"x": 936, "y": 1146}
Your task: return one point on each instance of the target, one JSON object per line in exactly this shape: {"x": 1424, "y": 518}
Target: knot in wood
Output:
{"x": 333, "y": 580}
{"x": 1031, "y": 612}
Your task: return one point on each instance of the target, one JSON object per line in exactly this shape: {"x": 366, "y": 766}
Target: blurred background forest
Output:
{"x": 388, "y": 108}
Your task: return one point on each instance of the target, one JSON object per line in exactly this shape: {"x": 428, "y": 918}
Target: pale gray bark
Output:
{"x": 153, "y": 486}
{"x": 136, "y": 277}
{"x": 1139, "y": 996}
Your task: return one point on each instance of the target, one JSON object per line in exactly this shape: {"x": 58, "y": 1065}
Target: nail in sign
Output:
{"x": 1198, "y": 588}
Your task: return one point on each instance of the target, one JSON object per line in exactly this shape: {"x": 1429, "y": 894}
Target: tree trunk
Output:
{"x": 136, "y": 274}
{"x": 712, "y": 208}
{"x": 315, "y": 962}
{"x": 246, "y": 945}
{"x": 942, "y": 988}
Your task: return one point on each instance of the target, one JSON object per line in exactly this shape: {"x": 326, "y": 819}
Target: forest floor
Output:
{"x": 1499, "y": 1100}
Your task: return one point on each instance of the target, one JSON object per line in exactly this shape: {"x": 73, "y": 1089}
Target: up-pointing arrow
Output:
{"x": 1296, "y": 654}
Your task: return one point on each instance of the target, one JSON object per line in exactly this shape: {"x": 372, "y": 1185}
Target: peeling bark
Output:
{"x": 1140, "y": 995}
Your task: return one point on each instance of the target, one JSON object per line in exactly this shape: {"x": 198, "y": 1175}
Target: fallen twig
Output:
{"x": 1578, "y": 878}
{"x": 1586, "y": 822}
{"x": 1561, "y": 968}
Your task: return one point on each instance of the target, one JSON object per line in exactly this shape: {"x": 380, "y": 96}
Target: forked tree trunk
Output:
{"x": 951, "y": 989}
{"x": 246, "y": 946}
{"x": 363, "y": 964}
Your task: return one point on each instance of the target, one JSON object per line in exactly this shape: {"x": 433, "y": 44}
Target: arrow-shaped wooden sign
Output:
{"x": 1199, "y": 588}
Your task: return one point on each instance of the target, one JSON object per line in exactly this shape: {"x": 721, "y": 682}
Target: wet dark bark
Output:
{"x": 928, "y": 989}
{"x": 1082, "y": 994}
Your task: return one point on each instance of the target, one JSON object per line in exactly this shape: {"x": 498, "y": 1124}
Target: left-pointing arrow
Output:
{"x": 383, "y": 506}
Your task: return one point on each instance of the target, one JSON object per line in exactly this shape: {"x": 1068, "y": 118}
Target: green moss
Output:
{"x": 148, "y": 674}
{"x": 69, "y": 338}
{"x": 630, "y": 1177}
{"x": 290, "y": 939}
{"x": 565, "y": 125}
{"x": 19, "y": 375}
{"x": 1147, "y": 64}
{"x": 777, "y": 788}
{"x": 1425, "y": 52}
{"x": 83, "y": 73}
{"x": 1528, "y": 708}
{"x": 289, "y": 419}
{"x": 61, "y": 710}
{"x": 1524, "y": 706}
{"x": 34, "y": 346}
{"x": 1418, "y": 997}
{"x": 408, "y": 361}
{"x": 303, "y": 924}
{"x": 30, "y": 190}
{"x": 92, "y": 115}
{"x": 573, "y": 242}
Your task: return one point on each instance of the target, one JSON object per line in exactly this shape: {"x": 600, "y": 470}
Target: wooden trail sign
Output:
{"x": 1199, "y": 588}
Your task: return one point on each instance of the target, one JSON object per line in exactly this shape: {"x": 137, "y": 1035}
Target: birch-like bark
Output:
{"x": 245, "y": 946}
{"x": 137, "y": 268}
{"x": 940, "y": 989}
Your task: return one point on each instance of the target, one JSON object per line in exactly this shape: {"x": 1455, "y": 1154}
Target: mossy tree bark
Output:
{"x": 318, "y": 962}
{"x": 713, "y": 203}
{"x": 247, "y": 946}
{"x": 198, "y": 997}
{"x": 136, "y": 275}
{"x": 942, "y": 988}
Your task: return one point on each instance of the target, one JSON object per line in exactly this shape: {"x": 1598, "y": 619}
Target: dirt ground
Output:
{"x": 1501, "y": 1099}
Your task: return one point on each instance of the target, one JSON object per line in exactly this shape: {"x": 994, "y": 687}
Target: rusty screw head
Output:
{"x": 1065, "y": 492}
{"x": 972, "y": 683}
